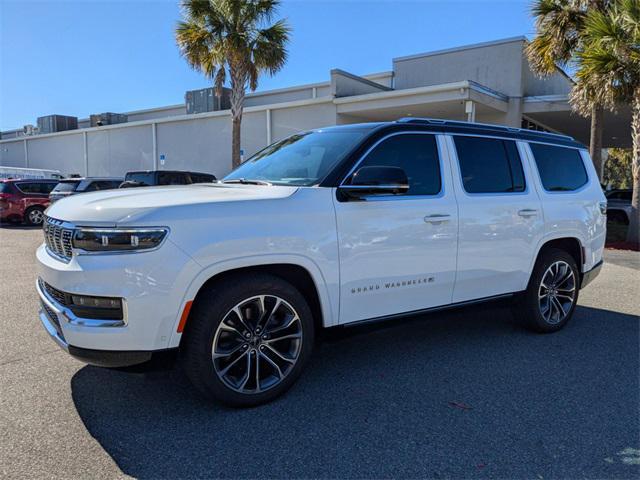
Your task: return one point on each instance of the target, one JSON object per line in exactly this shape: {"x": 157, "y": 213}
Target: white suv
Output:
{"x": 328, "y": 227}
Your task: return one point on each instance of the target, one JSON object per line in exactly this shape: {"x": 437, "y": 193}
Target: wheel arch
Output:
{"x": 301, "y": 273}
{"x": 570, "y": 244}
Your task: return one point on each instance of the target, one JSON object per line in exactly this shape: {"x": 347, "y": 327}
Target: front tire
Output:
{"x": 248, "y": 339}
{"x": 552, "y": 294}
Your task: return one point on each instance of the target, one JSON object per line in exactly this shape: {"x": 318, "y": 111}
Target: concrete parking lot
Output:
{"x": 461, "y": 394}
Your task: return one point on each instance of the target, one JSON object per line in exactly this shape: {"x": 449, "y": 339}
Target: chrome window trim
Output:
{"x": 404, "y": 196}
{"x": 65, "y": 313}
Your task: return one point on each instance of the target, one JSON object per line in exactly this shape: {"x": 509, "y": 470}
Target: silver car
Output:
{"x": 619, "y": 205}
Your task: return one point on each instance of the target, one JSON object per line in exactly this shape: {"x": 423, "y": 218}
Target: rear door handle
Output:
{"x": 527, "y": 212}
{"x": 437, "y": 218}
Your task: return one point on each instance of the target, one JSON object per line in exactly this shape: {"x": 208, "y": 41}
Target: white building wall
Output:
{"x": 114, "y": 152}
{"x": 287, "y": 121}
{"x": 12, "y": 154}
{"x": 199, "y": 144}
{"x": 64, "y": 153}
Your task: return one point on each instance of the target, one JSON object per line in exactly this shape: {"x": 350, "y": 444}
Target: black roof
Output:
{"x": 454, "y": 126}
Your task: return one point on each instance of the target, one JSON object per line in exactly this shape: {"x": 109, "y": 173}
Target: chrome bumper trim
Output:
{"x": 64, "y": 314}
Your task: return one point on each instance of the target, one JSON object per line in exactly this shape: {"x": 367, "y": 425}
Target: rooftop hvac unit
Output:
{"x": 29, "y": 130}
{"x": 107, "y": 118}
{"x": 57, "y": 123}
{"x": 205, "y": 100}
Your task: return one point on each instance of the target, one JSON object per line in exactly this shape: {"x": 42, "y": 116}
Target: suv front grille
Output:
{"x": 57, "y": 238}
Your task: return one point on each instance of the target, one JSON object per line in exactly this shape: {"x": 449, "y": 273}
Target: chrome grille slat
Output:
{"x": 57, "y": 238}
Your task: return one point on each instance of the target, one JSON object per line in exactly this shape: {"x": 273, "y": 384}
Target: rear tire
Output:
{"x": 34, "y": 216}
{"x": 552, "y": 294}
{"x": 234, "y": 351}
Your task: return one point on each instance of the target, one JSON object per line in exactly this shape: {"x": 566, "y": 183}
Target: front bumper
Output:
{"x": 52, "y": 315}
{"x": 151, "y": 284}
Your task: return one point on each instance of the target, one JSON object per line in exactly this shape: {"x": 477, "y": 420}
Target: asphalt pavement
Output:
{"x": 458, "y": 394}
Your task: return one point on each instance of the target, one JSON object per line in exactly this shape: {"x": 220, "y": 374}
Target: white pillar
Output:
{"x": 26, "y": 154}
{"x": 86, "y": 153}
{"x": 268, "y": 126}
{"x": 154, "y": 143}
{"x": 470, "y": 110}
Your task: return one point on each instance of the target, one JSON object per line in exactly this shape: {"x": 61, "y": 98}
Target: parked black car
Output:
{"x": 148, "y": 178}
{"x": 72, "y": 186}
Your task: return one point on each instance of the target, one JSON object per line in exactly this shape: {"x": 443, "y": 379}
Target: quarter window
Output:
{"x": 489, "y": 165}
{"x": 416, "y": 154}
{"x": 561, "y": 169}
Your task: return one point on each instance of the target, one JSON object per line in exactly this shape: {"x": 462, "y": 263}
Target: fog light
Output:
{"x": 97, "y": 302}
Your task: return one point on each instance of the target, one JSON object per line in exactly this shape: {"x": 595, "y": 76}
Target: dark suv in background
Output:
{"x": 72, "y": 186}
{"x": 24, "y": 200}
{"x": 148, "y": 178}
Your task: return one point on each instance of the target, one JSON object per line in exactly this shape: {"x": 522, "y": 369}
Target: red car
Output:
{"x": 24, "y": 200}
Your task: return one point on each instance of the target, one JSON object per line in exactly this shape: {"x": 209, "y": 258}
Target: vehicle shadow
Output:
{"x": 466, "y": 393}
{"x": 18, "y": 226}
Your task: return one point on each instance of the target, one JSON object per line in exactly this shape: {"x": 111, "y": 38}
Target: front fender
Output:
{"x": 327, "y": 291}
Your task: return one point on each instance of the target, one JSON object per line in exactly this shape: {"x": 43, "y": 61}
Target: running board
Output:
{"x": 449, "y": 306}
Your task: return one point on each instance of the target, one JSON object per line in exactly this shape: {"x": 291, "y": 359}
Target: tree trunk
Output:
{"x": 595, "y": 143}
{"x": 633, "y": 234}
{"x": 237, "y": 102}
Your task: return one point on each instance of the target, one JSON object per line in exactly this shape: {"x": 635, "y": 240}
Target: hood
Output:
{"x": 126, "y": 205}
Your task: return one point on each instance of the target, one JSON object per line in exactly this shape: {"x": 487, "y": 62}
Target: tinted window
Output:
{"x": 66, "y": 186}
{"x": 561, "y": 169}
{"x": 202, "y": 177}
{"x": 489, "y": 165}
{"x": 416, "y": 154}
{"x": 36, "y": 188}
{"x": 172, "y": 178}
{"x": 5, "y": 187}
{"x": 620, "y": 196}
{"x": 101, "y": 185}
{"x": 143, "y": 178}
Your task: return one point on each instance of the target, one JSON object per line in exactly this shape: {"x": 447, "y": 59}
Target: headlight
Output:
{"x": 118, "y": 239}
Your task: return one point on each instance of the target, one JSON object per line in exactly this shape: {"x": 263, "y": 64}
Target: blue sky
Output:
{"x": 83, "y": 57}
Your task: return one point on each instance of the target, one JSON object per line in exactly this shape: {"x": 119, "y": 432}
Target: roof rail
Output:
{"x": 485, "y": 126}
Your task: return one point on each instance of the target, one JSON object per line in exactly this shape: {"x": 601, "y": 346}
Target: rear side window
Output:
{"x": 66, "y": 187}
{"x": 172, "y": 178}
{"x": 561, "y": 169}
{"x": 5, "y": 188}
{"x": 36, "y": 188}
{"x": 143, "y": 178}
{"x": 489, "y": 165}
{"x": 416, "y": 154}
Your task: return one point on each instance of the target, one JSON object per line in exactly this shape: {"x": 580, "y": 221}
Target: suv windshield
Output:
{"x": 66, "y": 186}
{"x": 302, "y": 159}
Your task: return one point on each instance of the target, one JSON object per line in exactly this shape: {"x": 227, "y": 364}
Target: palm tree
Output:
{"x": 608, "y": 72}
{"x": 560, "y": 25}
{"x": 232, "y": 39}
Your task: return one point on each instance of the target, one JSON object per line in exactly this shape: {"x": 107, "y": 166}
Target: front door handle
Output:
{"x": 437, "y": 219}
{"x": 527, "y": 212}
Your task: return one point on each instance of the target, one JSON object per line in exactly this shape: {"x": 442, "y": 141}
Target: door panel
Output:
{"x": 397, "y": 253}
{"x": 498, "y": 235}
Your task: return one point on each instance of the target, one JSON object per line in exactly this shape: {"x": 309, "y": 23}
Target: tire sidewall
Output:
{"x": 27, "y": 215}
{"x": 209, "y": 313}
{"x": 536, "y": 318}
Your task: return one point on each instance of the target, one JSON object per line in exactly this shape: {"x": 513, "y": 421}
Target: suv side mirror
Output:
{"x": 376, "y": 180}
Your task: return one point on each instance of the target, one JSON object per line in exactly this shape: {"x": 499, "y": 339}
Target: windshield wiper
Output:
{"x": 247, "y": 181}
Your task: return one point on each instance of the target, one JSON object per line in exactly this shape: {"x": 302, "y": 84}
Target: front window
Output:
{"x": 302, "y": 159}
